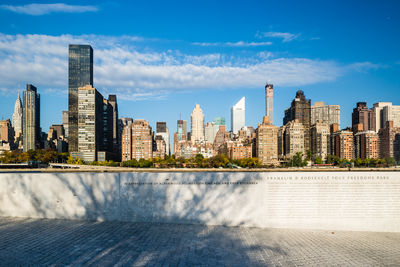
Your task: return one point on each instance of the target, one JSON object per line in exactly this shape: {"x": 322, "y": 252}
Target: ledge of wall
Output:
{"x": 361, "y": 201}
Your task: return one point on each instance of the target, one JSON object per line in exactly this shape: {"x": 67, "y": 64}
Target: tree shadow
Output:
{"x": 150, "y": 218}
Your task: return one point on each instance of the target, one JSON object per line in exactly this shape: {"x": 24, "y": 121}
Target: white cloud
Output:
{"x": 42, "y": 9}
{"x": 235, "y": 44}
{"x": 122, "y": 68}
{"x": 285, "y": 36}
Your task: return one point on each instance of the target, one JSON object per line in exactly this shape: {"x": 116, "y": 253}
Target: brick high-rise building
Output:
{"x": 267, "y": 139}
{"x": 6, "y": 131}
{"x": 366, "y": 145}
{"x": 300, "y": 110}
{"x": 389, "y": 138}
{"x": 343, "y": 144}
{"x": 31, "y": 130}
{"x": 365, "y": 116}
{"x": 137, "y": 141}
{"x": 328, "y": 114}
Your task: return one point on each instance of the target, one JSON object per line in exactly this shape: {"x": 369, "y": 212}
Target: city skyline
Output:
{"x": 324, "y": 66}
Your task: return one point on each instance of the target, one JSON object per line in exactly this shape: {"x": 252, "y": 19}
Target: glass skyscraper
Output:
{"x": 31, "y": 119}
{"x": 80, "y": 73}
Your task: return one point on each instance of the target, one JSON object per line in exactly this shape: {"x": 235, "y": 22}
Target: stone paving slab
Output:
{"x": 44, "y": 242}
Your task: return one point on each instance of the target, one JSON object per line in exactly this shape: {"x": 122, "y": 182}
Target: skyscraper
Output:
{"x": 65, "y": 122}
{"x": 328, "y": 114}
{"x": 238, "y": 112}
{"x": 197, "y": 124}
{"x": 31, "y": 119}
{"x": 17, "y": 117}
{"x": 300, "y": 109}
{"x": 269, "y": 102}
{"x": 80, "y": 73}
{"x": 182, "y": 129}
{"x": 364, "y": 116}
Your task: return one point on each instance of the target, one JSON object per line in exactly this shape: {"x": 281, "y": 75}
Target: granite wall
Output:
{"x": 357, "y": 201}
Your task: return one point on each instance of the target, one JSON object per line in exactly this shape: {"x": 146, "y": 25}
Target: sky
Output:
{"x": 163, "y": 57}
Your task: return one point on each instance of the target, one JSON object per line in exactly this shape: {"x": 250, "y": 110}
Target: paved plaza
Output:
{"x": 44, "y": 242}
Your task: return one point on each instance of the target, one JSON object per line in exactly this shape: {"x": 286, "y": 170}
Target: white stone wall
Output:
{"x": 356, "y": 201}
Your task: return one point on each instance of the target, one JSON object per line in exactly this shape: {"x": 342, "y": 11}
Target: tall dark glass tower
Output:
{"x": 31, "y": 119}
{"x": 80, "y": 73}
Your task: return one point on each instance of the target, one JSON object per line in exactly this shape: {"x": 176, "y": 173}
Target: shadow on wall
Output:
{"x": 203, "y": 198}
{"x": 190, "y": 198}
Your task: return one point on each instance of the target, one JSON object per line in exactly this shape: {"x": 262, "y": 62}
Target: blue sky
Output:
{"x": 163, "y": 57}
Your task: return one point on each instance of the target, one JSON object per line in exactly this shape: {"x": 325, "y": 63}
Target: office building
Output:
{"x": 328, "y": 114}
{"x": 31, "y": 130}
{"x": 267, "y": 139}
{"x": 65, "y": 123}
{"x": 182, "y": 130}
{"x": 90, "y": 123}
{"x": 238, "y": 112}
{"x": 377, "y": 109}
{"x": 300, "y": 110}
{"x": 197, "y": 125}
{"x": 113, "y": 127}
{"x": 269, "y": 102}
{"x": 162, "y": 130}
{"x": 80, "y": 73}
{"x": 364, "y": 116}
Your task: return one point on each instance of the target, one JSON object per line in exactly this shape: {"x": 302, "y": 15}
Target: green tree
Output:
{"x": 318, "y": 160}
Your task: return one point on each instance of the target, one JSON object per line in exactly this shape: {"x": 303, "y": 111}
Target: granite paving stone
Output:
{"x": 50, "y": 242}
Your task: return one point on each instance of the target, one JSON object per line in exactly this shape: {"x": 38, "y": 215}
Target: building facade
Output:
{"x": 364, "y": 116}
{"x": 328, "y": 114}
{"x": 389, "y": 141}
{"x": 137, "y": 141}
{"x": 163, "y": 131}
{"x": 343, "y": 144}
{"x": 300, "y": 110}
{"x": 269, "y": 102}
{"x": 90, "y": 123}
{"x": 6, "y": 131}
{"x": 31, "y": 130}
{"x": 267, "y": 140}
{"x": 366, "y": 145}
{"x": 320, "y": 140}
{"x": 17, "y": 120}
{"x": 80, "y": 73}
{"x": 238, "y": 115}
{"x": 294, "y": 138}
{"x": 197, "y": 125}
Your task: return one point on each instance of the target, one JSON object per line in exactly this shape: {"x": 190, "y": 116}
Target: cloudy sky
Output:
{"x": 163, "y": 57}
